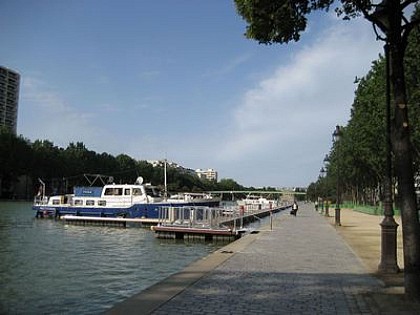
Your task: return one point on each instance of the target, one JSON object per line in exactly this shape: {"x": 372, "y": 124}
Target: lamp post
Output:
{"x": 327, "y": 206}
{"x": 336, "y": 137}
{"x": 322, "y": 175}
{"x": 388, "y": 263}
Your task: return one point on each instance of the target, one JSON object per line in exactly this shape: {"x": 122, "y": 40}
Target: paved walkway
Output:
{"x": 302, "y": 266}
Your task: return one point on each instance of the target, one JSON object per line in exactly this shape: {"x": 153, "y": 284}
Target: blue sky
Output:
{"x": 177, "y": 79}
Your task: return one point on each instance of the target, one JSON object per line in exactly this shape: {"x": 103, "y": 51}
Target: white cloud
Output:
{"x": 279, "y": 131}
{"x": 229, "y": 66}
{"x": 288, "y": 116}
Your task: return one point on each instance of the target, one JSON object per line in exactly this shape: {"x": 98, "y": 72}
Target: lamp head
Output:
{"x": 336, "y": 133}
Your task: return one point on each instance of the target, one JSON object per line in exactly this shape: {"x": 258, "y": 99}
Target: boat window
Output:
{"x": 56, "y": 202}
{"x": 78, "y": 202}
{"x": 90, "y": 202}
{"x": 113, "y": 191}
{"x": 136, "y": 192}
{"x": 102, "y": 203}
{"x": 127, "y": 192}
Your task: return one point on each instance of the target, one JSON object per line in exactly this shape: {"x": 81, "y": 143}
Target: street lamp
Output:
{"x": 325, "y": 199}
{"x": 388, "y": 263}
{"x": 320, "y": 199}
{"x": 336, "y": 137}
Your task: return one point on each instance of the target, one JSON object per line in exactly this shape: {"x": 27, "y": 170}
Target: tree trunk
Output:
{"x": 404, "y": 170}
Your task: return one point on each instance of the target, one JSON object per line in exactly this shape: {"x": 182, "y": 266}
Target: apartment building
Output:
{"x": 9, "y": 98}
{"x": 209, "y": 174}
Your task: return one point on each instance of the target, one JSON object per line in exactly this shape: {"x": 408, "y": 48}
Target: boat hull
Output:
{"x": 134, "y": 211}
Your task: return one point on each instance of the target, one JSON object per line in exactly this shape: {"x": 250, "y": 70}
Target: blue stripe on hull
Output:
{"x": 136, "y": 211}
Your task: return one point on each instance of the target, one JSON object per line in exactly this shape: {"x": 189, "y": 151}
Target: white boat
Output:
{"x": 255, "y": 202}
{"x": 136, "y": 200}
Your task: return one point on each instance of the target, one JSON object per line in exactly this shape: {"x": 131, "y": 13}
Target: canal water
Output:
{"x": 47, "y": 267}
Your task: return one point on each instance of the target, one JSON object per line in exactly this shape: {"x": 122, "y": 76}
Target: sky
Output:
{"x": 177, "y": 79}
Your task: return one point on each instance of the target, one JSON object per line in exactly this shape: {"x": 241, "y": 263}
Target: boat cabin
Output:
{"x": 114, "y": 195}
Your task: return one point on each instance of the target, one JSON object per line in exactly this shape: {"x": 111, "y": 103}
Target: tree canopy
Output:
{"x": 278, "y": 21}
{"x": 63, "y": 168}
{"x": 281, "y": 21}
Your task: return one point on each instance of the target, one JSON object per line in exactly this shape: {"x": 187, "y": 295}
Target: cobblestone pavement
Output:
{"x": 302, "y": 266}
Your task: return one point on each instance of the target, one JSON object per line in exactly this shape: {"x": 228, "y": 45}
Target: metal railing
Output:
{"x": 207, "y": 217}
{"x": 194, "y": 217}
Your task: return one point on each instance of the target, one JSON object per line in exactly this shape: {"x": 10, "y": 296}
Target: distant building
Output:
{"x": 209, "y": 174}
{"x": 173, "y": 165}
{"x": 9, "y": 98}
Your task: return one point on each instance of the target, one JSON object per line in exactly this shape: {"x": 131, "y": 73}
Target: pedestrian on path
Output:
{"x": 294, "y": 209}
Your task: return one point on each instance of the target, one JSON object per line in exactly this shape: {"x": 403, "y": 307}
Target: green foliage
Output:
{"x": 15, "y": 160}
{"x": 412, "y": 74}
{"x": 62, "y": 169}
{"x": 354, "y": 160}
{"x": 361, "y": 154}
{"x": 282, "y": 21}
{"x": 277, "y": 21}
{"x": 364, "y": 143}
{"x": 229, "y": 184}
{"x": 358, "y": 159}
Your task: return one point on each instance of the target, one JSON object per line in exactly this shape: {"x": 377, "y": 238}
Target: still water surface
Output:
{"x": 47, "y": 267}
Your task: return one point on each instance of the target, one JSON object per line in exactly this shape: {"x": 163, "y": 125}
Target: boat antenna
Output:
{"x": 42, "y": 188}
{"x": 165, "y": 191}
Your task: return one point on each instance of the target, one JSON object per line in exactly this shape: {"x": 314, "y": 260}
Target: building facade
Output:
{"x": 209, "y": 174}
{"x": 9, "y": 98}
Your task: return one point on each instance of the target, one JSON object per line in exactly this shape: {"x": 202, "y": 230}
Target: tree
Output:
{"x": 281, "y": 21}
{"x": 412, "y": 67}
{"x": 229, "y": 184}
{"x": 365, "y": 136}
{"x": 15, "y": 160}
{"x": 49, "y": 164}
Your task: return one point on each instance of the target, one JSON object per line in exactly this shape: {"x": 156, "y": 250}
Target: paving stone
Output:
{"x": 302, "y": 266}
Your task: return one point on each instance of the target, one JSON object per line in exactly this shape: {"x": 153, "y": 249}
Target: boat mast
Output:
{"x": 165, "y": 191}
{"x": 42, "y": 190}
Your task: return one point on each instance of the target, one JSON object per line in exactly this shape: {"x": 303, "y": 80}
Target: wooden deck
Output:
{"x": 107, "y": 221}
{"x": 184, "y": 232}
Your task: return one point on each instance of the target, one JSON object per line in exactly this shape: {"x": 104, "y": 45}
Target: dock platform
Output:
{"x": 107, "y": 221}
{"x": 207, "y": 234}
{"x": 206, "y": 223}
{"x": 190, "y": 223}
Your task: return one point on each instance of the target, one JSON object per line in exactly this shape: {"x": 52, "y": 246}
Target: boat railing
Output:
{"x": 40, "y": 200}
{"x": 195, "y": 216}
{"x": 253, "y": 208}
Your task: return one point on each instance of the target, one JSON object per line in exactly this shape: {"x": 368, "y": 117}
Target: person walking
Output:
{"x": 294, "y": 209}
